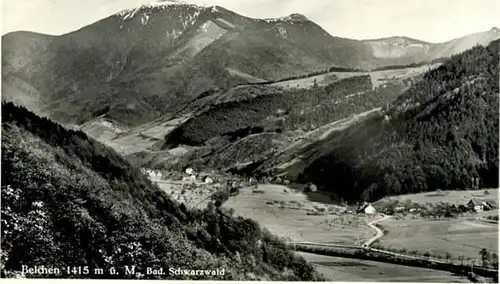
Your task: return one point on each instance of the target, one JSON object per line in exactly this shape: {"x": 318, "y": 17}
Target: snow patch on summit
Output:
{"x": 163, "y": 6}
{"x": 282, "y": 32}
{"x": 290, "y": 18}
{"x": 145, "y": 19}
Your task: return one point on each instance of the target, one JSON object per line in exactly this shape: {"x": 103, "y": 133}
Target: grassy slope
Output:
{"x": 439, "y": 134}
{"x": 69, "y": 200}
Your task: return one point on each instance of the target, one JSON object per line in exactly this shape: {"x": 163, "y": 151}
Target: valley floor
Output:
{"x": 285, "y": 213}
{"x": 463, "y": 236}
{"x": 342, "y": 269}
{"x": 293, "y": 216}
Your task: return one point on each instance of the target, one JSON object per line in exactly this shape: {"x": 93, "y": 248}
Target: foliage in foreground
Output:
{"x": 68, "y": 200}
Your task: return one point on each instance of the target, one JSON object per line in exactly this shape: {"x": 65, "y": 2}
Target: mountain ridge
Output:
{"x": 162, "y": 57}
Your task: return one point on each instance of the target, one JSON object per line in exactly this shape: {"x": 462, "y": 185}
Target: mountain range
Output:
{"x": 143, "y": 63}
{"x": 170, "y": 86}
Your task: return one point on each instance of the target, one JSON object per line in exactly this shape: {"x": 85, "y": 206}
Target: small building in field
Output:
{"x": 208, "y": 180}
{"x": 475, "y": 205}
{"x": 310, "y": 187}
{"x": 454, "y": 208}
{"x": 367, "y": 208}
{"x": 399, "y": 209}
{"x": 190, "y": 171}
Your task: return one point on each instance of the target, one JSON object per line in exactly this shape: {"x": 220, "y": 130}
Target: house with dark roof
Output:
{"x": 454, "y": 208}
{"x": 475, "y": 205}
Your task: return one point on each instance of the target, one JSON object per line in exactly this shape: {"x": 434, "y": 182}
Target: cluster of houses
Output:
{"x": 473, "y": 205}
{"x": 479, "y": 206}
{"x": 191, "y": 176}
{"x": 152, "y": 174}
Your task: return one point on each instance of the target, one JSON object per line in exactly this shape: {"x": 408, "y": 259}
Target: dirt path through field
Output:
{"x": 379, "y": 233}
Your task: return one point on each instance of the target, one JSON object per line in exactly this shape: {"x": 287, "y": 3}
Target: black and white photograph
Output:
{"x": 250, "y": 140}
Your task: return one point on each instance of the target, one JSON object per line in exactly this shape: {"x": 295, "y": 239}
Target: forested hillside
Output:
{"x": 439, "y": 134}
{"x": 272, "y": 108}
{"x": 68, "y": 200}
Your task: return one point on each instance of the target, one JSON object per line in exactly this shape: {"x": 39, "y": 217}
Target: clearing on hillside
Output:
{"x": 378, "y": 78}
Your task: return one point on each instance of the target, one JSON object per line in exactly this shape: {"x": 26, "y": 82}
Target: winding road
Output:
{"x": 378, "y": 234}
{"x": 378, "y": 231}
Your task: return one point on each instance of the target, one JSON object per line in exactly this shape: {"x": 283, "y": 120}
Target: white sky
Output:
{"x": 429, "y": 20}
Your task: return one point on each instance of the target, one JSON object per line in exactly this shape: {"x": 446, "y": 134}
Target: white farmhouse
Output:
{"x": 153, "y": 174}
{"x": 190, "y": 171}
{"x": 370, "y": 210}
{"x": 367, "y": 208}
{"x": 399, "y": 209}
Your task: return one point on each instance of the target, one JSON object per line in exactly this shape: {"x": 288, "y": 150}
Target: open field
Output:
{"x": 455, "y": 236}
{"x": 321, "y": 80}
{"x": 245, "y": 76}
{"x": 343, "y": 269}
{"x": 132, "y": 140}
{"x": 456, "y": 197}
{"x": 377, "y": 77}
{"x": 290, "y": 219}
{"x": 383, "y": 76}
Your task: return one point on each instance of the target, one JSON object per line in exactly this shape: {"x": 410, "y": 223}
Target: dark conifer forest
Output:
{"x": 439, "y": 134}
